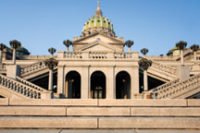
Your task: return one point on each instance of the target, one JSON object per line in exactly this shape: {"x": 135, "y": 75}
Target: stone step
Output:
{"x": 101, "y": 122}
{"x": 100, "y": 111}
{"x": 101, "y": 103}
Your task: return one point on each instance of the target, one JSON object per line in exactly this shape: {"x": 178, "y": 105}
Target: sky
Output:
{"x": 154, "y": 24}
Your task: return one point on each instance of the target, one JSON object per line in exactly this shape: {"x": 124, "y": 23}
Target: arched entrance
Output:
{"x": 98, "y": 85}
{"x": 73, "y": 85}
{"x": 123, "y": 85}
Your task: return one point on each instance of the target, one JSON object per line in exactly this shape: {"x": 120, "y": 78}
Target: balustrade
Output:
{"x": 100, "y": 55}
{"x": 30, "y": 84}
{"x": 20, "y": 87}
{"x": 175, "y": 87}
{"x": 164, "y": 68}
{"x": 70, "y": 54}
{"x": 32, "y": 68}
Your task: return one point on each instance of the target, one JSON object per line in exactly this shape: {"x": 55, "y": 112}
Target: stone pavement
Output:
{"x": 94, "y": 131}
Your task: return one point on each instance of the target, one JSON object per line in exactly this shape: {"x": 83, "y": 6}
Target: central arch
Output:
{"x": 73, "y": 85}
{"x": 123, "y": 85}
{"x": 98, "y": 85}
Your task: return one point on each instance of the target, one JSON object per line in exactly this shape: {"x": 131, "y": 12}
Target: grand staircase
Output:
{"x": 162, "y": 72}
{"x": 177, "y": 89}
{"x": 20, "y": 88}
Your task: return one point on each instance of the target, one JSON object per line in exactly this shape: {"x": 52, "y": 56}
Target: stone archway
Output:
{"x": 123, "y": 85}
{"x": 73, "y": 85}
{"x": 98, "y": 85}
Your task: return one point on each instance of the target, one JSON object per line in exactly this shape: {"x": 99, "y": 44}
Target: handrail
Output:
{"x": 31, "y": 84}
{"x": 161, "y": 87}
{"x": 19, "y": 87}
{"x": 32, "y": 68}
{"x": 176, "y": 87}
{"x": 165, "y": 68}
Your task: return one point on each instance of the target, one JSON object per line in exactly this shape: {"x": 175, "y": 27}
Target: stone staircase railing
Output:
{"x": 30, "y": 84}
{"x": 20, "y": 88}
{"x": 164, "y": 68}
{"x": 176, "y": 87}
{"x": 32, "y": 68}
{"x": 161, "y": 87}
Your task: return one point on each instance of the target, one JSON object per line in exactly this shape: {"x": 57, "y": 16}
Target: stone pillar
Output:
{"x": 1, "y": 56}
{"x": 67, "y": 49}
{"x": 183, "y": 72}
{"x": 134, "y": 75}
{"x": 14, "y": 56}
{"x": 195, "y": 56}
{"x": 182, "y": 57}
{"x": 4, "y": 55}
{"x": 129, "y": 49}
{"x": 110, "y": 83}
{"x": 50, "y": 80}
{"x": 60, "y": 80}
{"x": 12, "y": 71}
{"x": 46, "y": 95}
{"x": 145, "y": 81}
{"x": 85, "y": 83}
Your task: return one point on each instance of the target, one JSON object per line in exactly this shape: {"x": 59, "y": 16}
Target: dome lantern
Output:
{"x": 98, "y": 12}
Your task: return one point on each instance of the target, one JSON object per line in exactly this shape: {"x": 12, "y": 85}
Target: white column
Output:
{"x": 50, "y": 80}
{"x": 85, "y": 81}
{"x": 181, "y": 57}
{"x": 110, "y": 83}
{"x": 14, "y": 56}
{"x": 145, "y": 81}
{"x": 61, "y": 80}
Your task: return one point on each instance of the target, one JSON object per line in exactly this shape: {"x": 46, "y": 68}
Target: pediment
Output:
{"x": 97, "y": 46}
{"x": 98, "y": 41}
{"x": 98, "y": 36}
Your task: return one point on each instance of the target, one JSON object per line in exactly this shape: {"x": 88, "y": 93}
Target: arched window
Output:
{"x": 73, "y": 85}
{"x": 123, "y": 85}
{"x": 98, "y": 85}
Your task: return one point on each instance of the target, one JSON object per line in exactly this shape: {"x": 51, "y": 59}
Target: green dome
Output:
{"x": 98, "y": 22}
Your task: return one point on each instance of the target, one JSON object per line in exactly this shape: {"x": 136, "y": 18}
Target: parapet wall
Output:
{"x": 100, "y": 114}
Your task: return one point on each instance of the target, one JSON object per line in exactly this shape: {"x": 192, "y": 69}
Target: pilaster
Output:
{"x": 110, "y": 83}
{"x": 60, "y": 81}
{"x": 85, "y": 83}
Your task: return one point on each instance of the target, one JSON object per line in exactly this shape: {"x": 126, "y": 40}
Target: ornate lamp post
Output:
{"x": 51, "y": 63}
{"x": 52, "y": 51}
{"x": 144, "y": 51}
{"x": 195, "y": 48}
{"x": 14, "y": 45}
{"x": 145, "y": 64}
{"x": 181, "y": 46}
{"x": 67, "y": 43}
{"x": 129, "y": 43}
{"x": 2, "y": 47}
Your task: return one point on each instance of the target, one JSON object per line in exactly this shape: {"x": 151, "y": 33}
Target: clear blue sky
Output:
{"x": 153, "y": 24}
